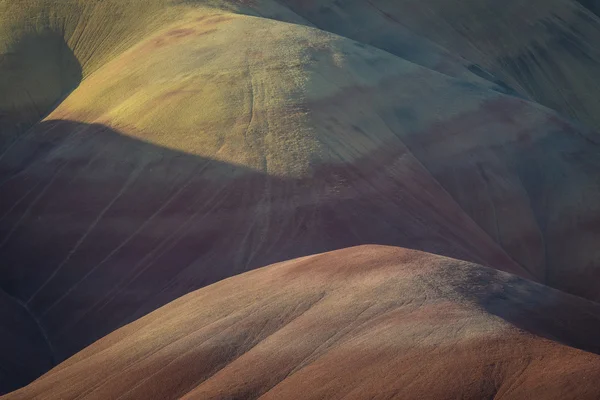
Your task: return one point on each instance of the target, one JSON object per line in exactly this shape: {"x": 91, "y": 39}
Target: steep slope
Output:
{"x": 358, "y": 323}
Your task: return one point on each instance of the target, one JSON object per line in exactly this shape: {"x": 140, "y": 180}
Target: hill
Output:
{"x": 544, "y": 50}
{"x": 356, "y": 323}
{"x": 150, "y": 148}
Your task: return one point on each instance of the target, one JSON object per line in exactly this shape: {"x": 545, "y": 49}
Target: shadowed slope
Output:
{"x": 99, "y": 229}
{"x": 356, "y": 323}
{"x": 25, "y": 353}
{"x": 36, "y": 72}
{"x": 546, "y": 50}
{"x": 592, "y": 5}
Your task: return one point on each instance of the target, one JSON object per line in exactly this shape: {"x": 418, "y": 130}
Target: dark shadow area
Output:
{"x": 500, "y": 87}
{"x": 24, "y": 353}
{"x": 98, "y": 228}
{"x": 532, "y": 307}
{"x": 592, "y": 5}
{"x": 36, "y": 73}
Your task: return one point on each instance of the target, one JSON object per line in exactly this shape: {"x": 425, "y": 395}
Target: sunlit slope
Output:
{"x": 547, "y": 50}
{"x": 224, "y": 142}
{"x": 48, "y": 47}
{"x": 356, "y": 323}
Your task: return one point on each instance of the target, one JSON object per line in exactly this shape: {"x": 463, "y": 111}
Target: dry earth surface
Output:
{"x": 151, "y": 148}
{"x": 359, "y": 323}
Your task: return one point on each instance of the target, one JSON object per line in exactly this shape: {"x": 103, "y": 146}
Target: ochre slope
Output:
{"x": 48, "y": 47}
{"x": 356, "y": 323}
{"x": 222, "y": 131}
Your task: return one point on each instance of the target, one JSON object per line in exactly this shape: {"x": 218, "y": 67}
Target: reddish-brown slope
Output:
{"x": 358, "y": 323}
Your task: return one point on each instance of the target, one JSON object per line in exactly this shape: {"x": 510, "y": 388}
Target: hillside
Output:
{"x": 356, "y": 323}
{"x": 151, "y": 148}
{"x": 544, "y": 50}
